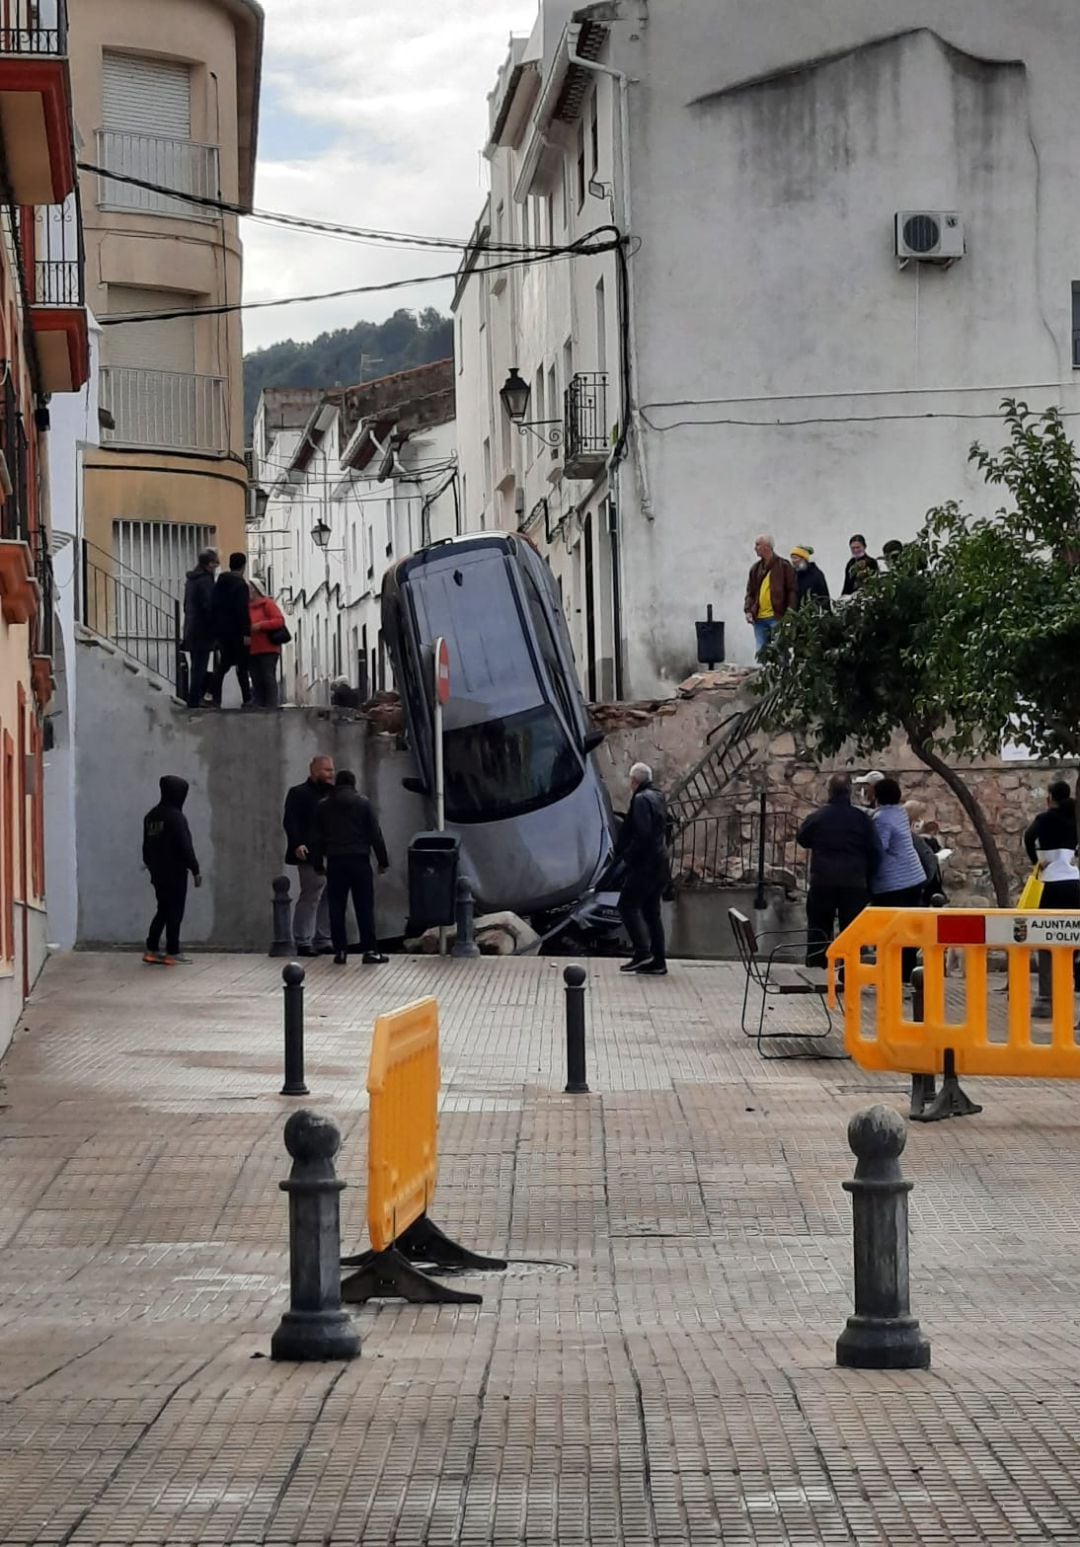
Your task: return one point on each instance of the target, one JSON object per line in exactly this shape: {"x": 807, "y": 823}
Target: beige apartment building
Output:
{"x": 166, "y": 92}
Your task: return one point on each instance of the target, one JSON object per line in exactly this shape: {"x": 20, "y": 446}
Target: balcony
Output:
{"x": 53, "y": 262}
{"x": 164, "y": 410}
{"x": 18, "y": 584}
{"x": 179, "y": 164}
{"x": 586, "y": 441}
{"x": 35, "y": 100}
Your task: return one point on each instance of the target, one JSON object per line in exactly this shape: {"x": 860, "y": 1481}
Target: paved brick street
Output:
{"x": 664, "y": 1375}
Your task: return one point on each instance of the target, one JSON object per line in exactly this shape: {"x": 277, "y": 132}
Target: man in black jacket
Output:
{"x": 845, "y": 852}
{"x": 642, "y": 846}
{"x": 169, "y": 855}
{"x": 311, "y": 915}
{"x": 346, "y": 833}
{"x": 232, "y": 626}
{"x": 198, "y": 638}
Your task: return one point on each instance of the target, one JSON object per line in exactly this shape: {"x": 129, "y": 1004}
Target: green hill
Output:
{"x": 348, "y": 355}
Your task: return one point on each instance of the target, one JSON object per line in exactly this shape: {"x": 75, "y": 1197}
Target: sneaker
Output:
{"x": 634, "y": 963}
{"x": 176, "y": 961}
{"x": 306, "y": 950}
{"x": 154, "y": 959}
{"x": 374, "y": 958}
{"x": 1042, "y": 1010}
{"x": 652, "y": 969}
{"x": 324, "y": 949}
{"x": 341, "y": 959}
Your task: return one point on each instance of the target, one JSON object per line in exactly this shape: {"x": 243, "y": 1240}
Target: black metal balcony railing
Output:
{"x": 15, "y": 510}
{"x": 46, "y": 618}
{"x": 586, "y": 438}
{"x": 33, "y": 27}
{"x": 58, "y": 253}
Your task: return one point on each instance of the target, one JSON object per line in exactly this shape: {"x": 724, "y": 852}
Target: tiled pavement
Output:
{"x": 664, "y": 1375}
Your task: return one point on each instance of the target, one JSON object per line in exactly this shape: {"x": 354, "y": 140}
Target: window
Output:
{"x": 601, "y": 327}
{"x": 549, "y": 219}
{"x": 580, "y": 165}
{"x": 1076, "y": 324}
{"x": 525, "y": 223}
{"x": 568, "y": 363}
{"x": 540, "y": 411}
{"x": 594, "y": 133}
{"x": 553, "y": 393}
{"x": 564, "y": 195}
{"x": 371, "y": 552}
{"x": 389, "y": 527}
{"x": 460, "y": 346}
{"x": 146, "y": 133}
{"x": 355, "y": 550}
{"x": 487, "y": 471}
{"x": 505, "y": 767}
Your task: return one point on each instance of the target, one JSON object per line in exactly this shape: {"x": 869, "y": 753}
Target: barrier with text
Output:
{"x": 956, "y": 1023}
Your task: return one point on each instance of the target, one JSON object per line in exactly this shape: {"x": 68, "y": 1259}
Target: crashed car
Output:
{"x": 521, "y": 790}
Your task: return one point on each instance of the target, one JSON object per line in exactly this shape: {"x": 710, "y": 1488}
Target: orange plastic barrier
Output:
{"x": 403, "y": 1124}
{"x": 985, "y": 1035}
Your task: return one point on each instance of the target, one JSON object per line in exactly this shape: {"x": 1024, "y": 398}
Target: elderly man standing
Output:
{"x": 771, "y": 591}
{"x": 311, "y": 916}
{"x": 642, "y": 846}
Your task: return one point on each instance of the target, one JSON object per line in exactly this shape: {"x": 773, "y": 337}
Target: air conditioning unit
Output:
{"x": 929, "y": 236}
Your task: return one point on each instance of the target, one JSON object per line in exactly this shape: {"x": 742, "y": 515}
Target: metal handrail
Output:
{"x": 722, "y": 762}
{"x": 25, "y": 28}
{"x": 95, "y": 552}
{"x": 135, "y": 623}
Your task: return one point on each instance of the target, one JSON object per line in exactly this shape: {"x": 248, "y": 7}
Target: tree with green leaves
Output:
{"x": 968, "y": 642}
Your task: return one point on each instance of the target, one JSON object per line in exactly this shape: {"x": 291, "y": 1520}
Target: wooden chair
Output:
{"x": 777, "y": 971}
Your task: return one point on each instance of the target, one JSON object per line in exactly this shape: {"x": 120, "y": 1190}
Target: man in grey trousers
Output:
{"x": 311, "y": 915}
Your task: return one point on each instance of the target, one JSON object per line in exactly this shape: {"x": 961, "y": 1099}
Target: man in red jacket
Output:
{"x": 771, "y": 591}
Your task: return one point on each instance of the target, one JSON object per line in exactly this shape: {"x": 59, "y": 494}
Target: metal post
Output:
{"x": 293, "y": 978}
{"x": 759, "y": 896}
{"x": 282, "y": 941}
{"x": 315, "y": 1326}
{"x": 576, "y": 1084}
{"x": 882, "y": 1334}
{"x": 181, "y": 663}
{"x": 465, "y": 944}
{"x": 923, "y": 1086}
{"x": 440, "y": 803}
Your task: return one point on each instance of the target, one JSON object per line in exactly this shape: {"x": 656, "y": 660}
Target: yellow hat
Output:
{"x": 802, "y": 553}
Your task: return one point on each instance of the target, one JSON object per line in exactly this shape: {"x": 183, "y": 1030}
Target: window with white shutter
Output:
{"x": 146, "y": 134}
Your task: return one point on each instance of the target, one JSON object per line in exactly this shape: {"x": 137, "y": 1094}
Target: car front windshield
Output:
{"x": 502, "y": 768}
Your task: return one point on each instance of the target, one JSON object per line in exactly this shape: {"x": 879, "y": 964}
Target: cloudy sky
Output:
{"x": 373, "y": 114}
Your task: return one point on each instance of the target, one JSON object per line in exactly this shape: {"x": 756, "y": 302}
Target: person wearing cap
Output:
{"x": 811, "y": 583}
{"x": 866, "y": 782}
{"x": 770, "y": 591}
{"x": 859, "y": 567}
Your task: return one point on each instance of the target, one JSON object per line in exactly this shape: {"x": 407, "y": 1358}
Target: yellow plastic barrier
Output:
{"x": 982, "y": 1034}
{"x": 403, "y": 1124}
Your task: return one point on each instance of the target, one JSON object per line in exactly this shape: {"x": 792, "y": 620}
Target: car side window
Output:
{"x": 553, "y": 663}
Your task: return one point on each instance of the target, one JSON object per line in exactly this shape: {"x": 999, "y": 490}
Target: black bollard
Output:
{"x": 465, "y": 941}
{"x": 282, "y": 944}
{"x": 574, "y": 978}
{"x": 314, "y": 1326}
{"x": 882, "y": 1334}
{"x": 293, "y": 978}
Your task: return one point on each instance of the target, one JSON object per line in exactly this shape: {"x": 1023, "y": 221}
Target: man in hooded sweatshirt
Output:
{"x": 169, "y": 855}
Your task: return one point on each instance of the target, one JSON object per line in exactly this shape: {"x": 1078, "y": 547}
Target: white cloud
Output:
{"x": 373, "y": 115}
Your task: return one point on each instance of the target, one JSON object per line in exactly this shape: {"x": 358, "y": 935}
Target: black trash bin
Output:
{"x": 433, "y": 871}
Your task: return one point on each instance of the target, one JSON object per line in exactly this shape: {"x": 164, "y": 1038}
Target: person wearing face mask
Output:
{"x": 859, "y": 567}
{"x": 812, "y": 585}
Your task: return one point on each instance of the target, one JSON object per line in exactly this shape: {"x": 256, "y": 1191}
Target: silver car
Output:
{"x": 521, "y": 789}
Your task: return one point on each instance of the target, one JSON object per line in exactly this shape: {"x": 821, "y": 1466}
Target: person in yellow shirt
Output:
{"x": 771, "y": 591}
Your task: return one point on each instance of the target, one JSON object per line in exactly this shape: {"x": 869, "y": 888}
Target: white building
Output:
{"x": 354, "y": 478}
{"x": 74, "y": 432}
{"x": 789, "y": 371}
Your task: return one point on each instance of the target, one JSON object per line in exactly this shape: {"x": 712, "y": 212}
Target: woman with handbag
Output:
{"x": 1051, "y": 844}
{"x": 268, "y": 634}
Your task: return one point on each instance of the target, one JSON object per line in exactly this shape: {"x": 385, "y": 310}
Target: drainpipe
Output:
{"x": 622, "y": 81}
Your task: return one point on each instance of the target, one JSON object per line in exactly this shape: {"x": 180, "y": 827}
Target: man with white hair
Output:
{"x": 771, "y": 591}
{"x": 642, "y": 846}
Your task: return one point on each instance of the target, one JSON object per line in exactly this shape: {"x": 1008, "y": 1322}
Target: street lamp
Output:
{"x": 515, "y": 394}
{"x": 321, "y": 534}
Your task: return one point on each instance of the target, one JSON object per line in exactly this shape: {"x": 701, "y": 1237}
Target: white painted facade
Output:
{"x": 787, "y": 374}
{"x": 330, "y": 595}
{"x": 74, "y": 430}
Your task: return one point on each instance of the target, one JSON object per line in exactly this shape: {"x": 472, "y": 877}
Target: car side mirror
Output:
{"x": 593, "y": 739}
{"x": 414, "y": 786}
